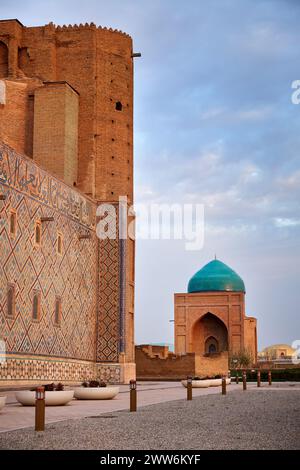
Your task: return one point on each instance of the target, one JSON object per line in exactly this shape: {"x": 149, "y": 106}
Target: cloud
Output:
{"x": 279, "y": 222}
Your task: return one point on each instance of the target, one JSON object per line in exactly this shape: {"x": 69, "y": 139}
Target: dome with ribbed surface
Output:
{"x": 216, "y": 276}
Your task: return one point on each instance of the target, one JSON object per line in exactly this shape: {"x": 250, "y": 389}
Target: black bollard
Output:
{"x": 223, "y": 385}
{"x": 244, "y": 380}
{"x": 270, "y": 377}
{"x": 189, "y": 388}
{"x": 133, "y": 397}
{"x": 40, "y": 409}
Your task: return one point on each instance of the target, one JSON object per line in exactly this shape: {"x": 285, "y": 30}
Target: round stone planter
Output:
{"x": 96, "y": 393}
{"x": 2, "y": 402}
{"x": 215, "y": 382}
{"x": 206, "y": 383}
{"x": 218, "y": 382}
{"x": 197, "y": 383}
{"x": 27, "y": 398}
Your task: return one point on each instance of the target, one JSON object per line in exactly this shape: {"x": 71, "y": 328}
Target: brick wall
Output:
{"x": 55, "y": 137}
{"x": 172, "y": 367}
{"x": 227, "y": 308}
{"x": 97, "y": 63}
{"x": 251, "y": 337}
{"x": 176, "y": 367}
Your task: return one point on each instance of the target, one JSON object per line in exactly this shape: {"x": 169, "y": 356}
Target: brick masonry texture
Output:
{"x": 97, "y": 63}
{"x": 200, "y": 315}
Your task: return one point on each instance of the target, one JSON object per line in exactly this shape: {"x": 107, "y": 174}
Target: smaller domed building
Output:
{"x": 276, "y": 351}
{"x": 210, "y": 325}
{"x": 210, "y": 318}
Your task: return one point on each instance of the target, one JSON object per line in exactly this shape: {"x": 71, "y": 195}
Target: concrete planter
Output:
{"x": 218, "y": 382}
{"x": 215, "y": 382}
{"x": 197, "y": 383}
{"x": 96, "y": 393}
{"x": 27, "y": 398}
{"x": 2, "y": 402}
{"x": 206, "y": 383}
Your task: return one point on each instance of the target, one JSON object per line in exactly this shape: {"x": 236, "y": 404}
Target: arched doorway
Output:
{"x": 3, "y": 60}
{"x": 211, "y": 345}
{"x": 210, "y": 335}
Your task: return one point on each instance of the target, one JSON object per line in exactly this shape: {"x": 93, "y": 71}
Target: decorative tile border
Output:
{"x": 23, "y": 174}
{"x": 20, "y": 369}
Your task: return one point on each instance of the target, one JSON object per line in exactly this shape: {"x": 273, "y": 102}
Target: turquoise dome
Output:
{"x": 216, "y": 276}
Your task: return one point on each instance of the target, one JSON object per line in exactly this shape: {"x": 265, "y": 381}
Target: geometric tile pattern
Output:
{"x": 72, "y": 276}
{"x": 18, "y": 368}
{"x": 108, "y": 308}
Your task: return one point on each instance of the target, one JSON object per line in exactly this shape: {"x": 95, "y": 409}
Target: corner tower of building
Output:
{"x": 97, "y": 64}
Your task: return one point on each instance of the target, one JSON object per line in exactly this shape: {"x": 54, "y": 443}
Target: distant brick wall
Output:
{"x": 154, "y": 350}
{"x": 172, "y": 367}
{"x": 250, "y": 329}
{"x": 178, "y": 366}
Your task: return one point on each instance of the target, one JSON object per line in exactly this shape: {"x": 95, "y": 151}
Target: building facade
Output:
{"x": 210, "y": 327}
{"x": 210, "y": 318}
{"x": 66, "y": 147}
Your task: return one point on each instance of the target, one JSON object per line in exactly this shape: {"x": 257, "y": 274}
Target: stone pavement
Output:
{"x": 15, "y": 416}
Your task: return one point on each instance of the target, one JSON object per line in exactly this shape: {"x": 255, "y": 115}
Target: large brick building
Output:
{"x": 66, "y": 146}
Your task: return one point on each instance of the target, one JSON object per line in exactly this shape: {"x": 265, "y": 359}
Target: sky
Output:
{"x": 214, "y": 125}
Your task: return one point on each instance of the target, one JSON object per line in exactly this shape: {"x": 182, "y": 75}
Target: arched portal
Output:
{"x": 3, "y": 60}
{"x": 210, "y": 335}
{"x": 211, "y": 345}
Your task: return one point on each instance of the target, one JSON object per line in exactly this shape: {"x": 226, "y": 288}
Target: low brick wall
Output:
{"x": 178, "y": 367}
{"x": 172, "y": 367}
{"x": 212, "y": 365}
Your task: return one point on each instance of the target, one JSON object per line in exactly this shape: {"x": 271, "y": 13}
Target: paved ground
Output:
{"x": 15, "y": 416}
{"x": 265, "y": 418}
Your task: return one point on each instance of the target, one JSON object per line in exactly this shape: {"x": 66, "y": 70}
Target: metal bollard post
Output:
{"x": 237, "y": 379}
{"x": 270, "y": 377}
{"x": 223, "y": 385}
{"x": 244, "y": 380}
{"x": 133, "y": 398}
{"x": 258, "y": 378}
{"x": 40, "y": 409}
{"x": 189, "y": 388}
